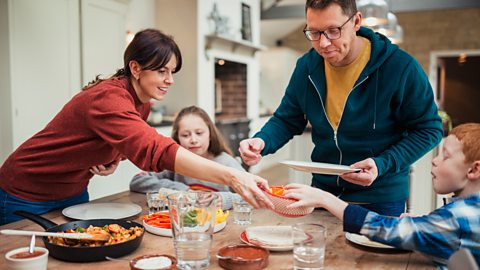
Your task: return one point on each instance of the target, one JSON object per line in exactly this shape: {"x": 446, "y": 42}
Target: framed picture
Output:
{"x": 246, "y": 23}
{"x": 218, "y": 96}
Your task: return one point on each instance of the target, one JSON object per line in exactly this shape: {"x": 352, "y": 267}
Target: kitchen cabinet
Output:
{"x": 234, "y": 132}
{"x": 41, "y": 48}
{"x": 422, "y": 197}
{"x": 49, "y": 50}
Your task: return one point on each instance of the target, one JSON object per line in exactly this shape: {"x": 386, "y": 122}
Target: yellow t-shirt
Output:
{"x": 340, "y": 82}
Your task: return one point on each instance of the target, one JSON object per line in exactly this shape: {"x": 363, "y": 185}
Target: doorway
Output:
{"x": 456, "y": 84}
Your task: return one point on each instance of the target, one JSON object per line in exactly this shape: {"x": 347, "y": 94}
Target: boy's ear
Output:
{"x": 474, "y": 171}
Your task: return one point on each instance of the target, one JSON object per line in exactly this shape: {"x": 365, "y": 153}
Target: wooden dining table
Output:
{"x": 339, "y": 254}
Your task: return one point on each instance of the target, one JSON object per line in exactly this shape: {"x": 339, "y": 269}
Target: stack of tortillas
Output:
{"x": 280, "y": 236}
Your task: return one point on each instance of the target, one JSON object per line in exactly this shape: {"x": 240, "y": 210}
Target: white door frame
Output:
{"x": 435, "y": 60}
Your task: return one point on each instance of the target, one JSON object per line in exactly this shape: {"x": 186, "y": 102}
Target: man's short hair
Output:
{"x": 349, "y": 7}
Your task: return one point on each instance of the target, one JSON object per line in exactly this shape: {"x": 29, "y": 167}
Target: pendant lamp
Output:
{"x": 375, "y": 12}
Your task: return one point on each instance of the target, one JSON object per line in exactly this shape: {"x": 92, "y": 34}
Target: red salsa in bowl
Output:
{"x": 26, "y": 254}
{"x": 243, "y": 257}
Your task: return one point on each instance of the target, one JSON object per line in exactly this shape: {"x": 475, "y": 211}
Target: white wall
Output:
{"x": 277, "y": 65}
{"x": 184, "y": 31}
{"x": 6, "y": 141}
{"x": 138, "y": 15}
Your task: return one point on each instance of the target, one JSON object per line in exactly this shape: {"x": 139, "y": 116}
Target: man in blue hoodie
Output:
{"x": 369, "y": 103}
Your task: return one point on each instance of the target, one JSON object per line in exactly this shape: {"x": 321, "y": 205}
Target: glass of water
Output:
{"x": 242, "y": 213}
{"x": 308, "y": 246}
{"x": 192, "y": 215}
{"x": 156, "y": 202}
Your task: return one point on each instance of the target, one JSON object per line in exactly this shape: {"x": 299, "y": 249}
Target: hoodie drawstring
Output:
{"x": 375, "y": 101}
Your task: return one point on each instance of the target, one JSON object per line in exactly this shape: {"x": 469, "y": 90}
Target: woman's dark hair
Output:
{"x": 152, "y": 49}
{"x": 217, "y": 142}
{"x": 349, "y": 7}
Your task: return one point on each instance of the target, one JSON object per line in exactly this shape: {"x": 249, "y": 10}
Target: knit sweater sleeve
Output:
{"x": 150, "y": 181}
{"x": 228, "y": 198}
{"x": 112, "y": 115}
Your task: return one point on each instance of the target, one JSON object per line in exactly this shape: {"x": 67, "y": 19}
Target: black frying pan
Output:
{"x": 84, "y": 254}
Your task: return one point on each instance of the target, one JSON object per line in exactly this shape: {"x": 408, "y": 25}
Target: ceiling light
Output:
{"x": 374, "y": 12}
{"x": 397, "y": 37}
{"x": 390, "y": 28}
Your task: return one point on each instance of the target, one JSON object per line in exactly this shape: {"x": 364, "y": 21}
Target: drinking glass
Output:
{"x": 242, "y": 213}
{"x": 192, "y": 215}
{"x": 308, "y": 246}
{"x": 156, "y": 202}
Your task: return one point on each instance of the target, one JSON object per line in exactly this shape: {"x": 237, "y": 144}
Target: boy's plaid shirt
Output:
{"x": 437, "y": 235}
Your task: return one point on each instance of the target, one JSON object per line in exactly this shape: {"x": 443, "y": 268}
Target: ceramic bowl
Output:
{"x": 20, "y": 260}
{"x": 137, "y": 262}
{"x": 281, "y": 204}
{"x": 243, "y": 257}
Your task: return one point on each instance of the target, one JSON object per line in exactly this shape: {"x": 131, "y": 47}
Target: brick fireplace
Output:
{"x": 231, "y": 101}
{"x": 230, "y": 90}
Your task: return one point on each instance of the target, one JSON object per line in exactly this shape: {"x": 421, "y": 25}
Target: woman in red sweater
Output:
{"x": 103, "y": 124}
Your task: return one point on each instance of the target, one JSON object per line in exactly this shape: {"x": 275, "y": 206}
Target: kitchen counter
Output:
{"x": 339, "y": 253}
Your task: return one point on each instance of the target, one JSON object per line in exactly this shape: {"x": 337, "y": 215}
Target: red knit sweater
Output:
{"x": 95, "y": 127}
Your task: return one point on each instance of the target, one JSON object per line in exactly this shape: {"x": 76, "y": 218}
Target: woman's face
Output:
{"x": 194, "y": 135}
{"x": 449, "y": 169}
{"x": 154, "y": 83}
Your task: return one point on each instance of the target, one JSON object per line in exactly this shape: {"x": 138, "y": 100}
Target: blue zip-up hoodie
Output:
{"x": 390, "y": 115}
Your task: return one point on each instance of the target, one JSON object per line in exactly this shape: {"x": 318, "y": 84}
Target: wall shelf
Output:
{"x": 234, "y": 44}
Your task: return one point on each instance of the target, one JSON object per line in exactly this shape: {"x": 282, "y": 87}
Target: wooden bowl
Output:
{"x": 243, "y": 257}
{"x": 281, "y": 204}
{"x": 134, "y": 263}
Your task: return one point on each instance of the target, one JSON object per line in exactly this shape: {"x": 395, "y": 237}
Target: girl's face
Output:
{"x": 154, "y": 83}
{"x": 449, "y": 169}
{"x": 194, "y": 135}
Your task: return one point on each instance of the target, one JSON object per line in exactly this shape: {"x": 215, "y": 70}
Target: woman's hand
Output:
{"x": 248, "y": 186}
{"x": 366, "y": 176}
{"x": 105, "y": 170}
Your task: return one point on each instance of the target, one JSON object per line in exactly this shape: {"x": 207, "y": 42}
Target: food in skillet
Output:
{"x": 118, "y": 234}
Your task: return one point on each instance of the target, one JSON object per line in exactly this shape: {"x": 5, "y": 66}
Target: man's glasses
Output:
{"x": 330, "y": 33}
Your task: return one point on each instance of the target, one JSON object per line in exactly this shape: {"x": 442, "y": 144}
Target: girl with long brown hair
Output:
{"x": 194, "y": 130}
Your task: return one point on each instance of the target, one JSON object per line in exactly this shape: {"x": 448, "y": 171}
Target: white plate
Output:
{"x": 102, "y": 210}
{"x": 243, "y": 237}
{"x": 364, "y": 241}
{"x": 168, "y": 232}
{"x": 319, "y": 167}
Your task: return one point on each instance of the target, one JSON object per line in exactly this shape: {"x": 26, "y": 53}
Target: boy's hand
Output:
{"x": 307, "y": 196}
{"x": 314, "y": 197}
{"x": 366, "y": 176}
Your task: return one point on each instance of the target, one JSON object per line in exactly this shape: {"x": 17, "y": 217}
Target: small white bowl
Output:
{"x": 38, "y": 262}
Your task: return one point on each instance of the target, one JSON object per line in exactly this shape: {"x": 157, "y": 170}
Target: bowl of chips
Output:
{"x": 275, "y": 194}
